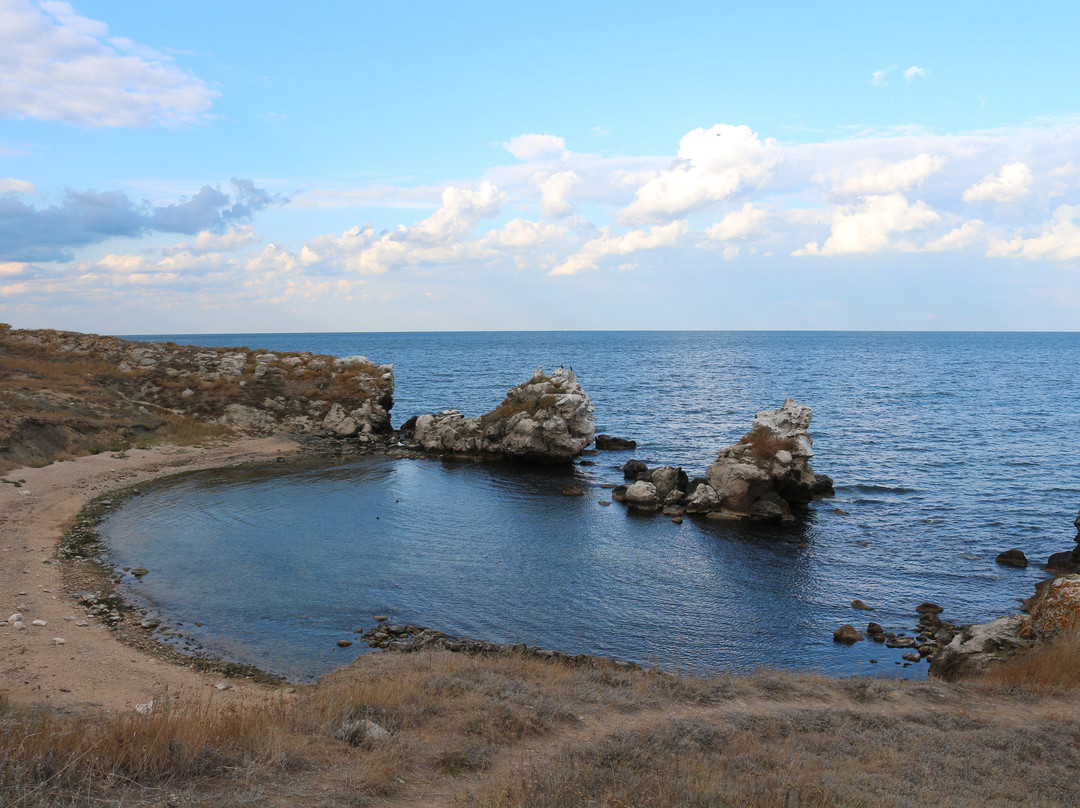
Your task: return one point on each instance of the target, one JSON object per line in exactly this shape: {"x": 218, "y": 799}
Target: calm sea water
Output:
{"x": 946, "y": 448}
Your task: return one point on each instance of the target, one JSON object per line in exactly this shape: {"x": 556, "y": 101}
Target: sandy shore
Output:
{"x": 91, "y": 668}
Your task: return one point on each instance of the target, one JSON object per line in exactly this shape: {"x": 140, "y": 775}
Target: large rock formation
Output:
{"x": 66, "y": 391}
{"x": 768, "y": 471}
{"x": 548, "y": 418}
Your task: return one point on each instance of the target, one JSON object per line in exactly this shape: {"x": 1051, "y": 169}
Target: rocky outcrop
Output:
{"x": 1054, "y": 611}
{"x": 761, "y": 477}
{"x": 768, "y": 471}
{"x": 548, "y": 418}
{"x": 1069, "y": 560}
{"x": 125, "y": 388}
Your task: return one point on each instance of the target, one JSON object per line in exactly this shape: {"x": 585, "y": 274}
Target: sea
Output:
{"x": 945, "y": 448}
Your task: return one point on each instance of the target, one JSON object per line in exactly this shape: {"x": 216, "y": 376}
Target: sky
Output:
{"x": 188, "y": 167}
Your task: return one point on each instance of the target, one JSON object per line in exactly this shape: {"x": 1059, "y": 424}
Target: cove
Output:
{"x": 278, "y": 565}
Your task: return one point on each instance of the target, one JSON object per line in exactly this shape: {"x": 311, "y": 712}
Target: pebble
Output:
{"x": 380, "y": 618}
{"x": 38, "y": 622}
{"x": 223, "y": 686}
{"x": 82, "y": 623}
{"x": 15, "y": 618}
{"x": 19, "y": 625}
{"x": 344, "y": 643}
{"x": 603, "y": 502}
{"x": 59, "y": 641}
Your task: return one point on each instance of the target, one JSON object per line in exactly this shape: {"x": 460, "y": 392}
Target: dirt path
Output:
{"x": 91, "y": 667}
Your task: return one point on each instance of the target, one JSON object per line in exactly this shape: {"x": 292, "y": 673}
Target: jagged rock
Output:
{"x": 612, "y": 444}
{"x": 548, "y": 418}
{"x": 1012, "y": 558}
{"x": 702, "y": 499}
{"x": 632, "y": 468}
{"x": 1057, "y": 608}
{"x": 768, "y": 470}
{"x": 858, "y": 604}
{"x": 667, "y": 479}
{"x": 243, "y": 418}
{"x": 643, "y": 496}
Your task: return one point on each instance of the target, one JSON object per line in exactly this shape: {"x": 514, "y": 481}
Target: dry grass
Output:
{"x": 1048, "y": 669}
{"x": 183, "y": 431}
{"x": 765, "y": 443}
{"x": 511, "y": 406}
{"x": 599, "y": 735}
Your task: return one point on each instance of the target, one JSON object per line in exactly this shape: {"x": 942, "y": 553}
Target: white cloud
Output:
{"x": 12, "y": 186}
{"x": 1059, "y": 240}
{"x": 624, "y": 244}
{"x": 868, "y": 228}
{"x": 879, "y": 78}
{"x": 914, "y": 72}
{"x": 958, "y": 238}
{"x": 712, "y": 164}
{"x": 536, "y": 148}
{"x": 553, "y": 191}
{"x": 901, "y": 176}
{"x": 58, "y": 66}
{"x": 12, "y": 268}
{"x": 207, "y": 242}
{"x": 742, "y": 223}
{"x": 1011, "y": 183}
{"x": 731, "y": 252}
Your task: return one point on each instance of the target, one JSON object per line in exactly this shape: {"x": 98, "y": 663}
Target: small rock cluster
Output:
{"x": 931, "y": 635}
{"x": 761, "y": 477}
{"x": 548, "y": 419}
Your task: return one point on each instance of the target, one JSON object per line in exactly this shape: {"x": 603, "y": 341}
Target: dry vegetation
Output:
{"x": 765, "y": 443}
{"x": 508, "y": 730}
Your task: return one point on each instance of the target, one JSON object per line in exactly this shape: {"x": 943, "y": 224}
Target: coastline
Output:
{"x": 93, "y": 667}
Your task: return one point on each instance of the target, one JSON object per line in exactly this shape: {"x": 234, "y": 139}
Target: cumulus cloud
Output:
{"x": 879, "y": 78}
{"x": 958, "y": 238}
{"x": 88, "y": 217}
{"x": 58, "y": 66}
{"x": 1058, "y": 241}
{"x": 915, "y": 72}
{"x": 901, "y": 176}
{"x": 553, "y": 192}
{"x": 12, "y": 186}
{"x": 747, "y": 221}
{"x": 1011, "y": 183}
{"x": 869, "y": 227}
{"x": 538, "y": 148}
{"x": 711, "y": 165}
{"x": 609, "y": 243}
{"x": 208, "y": 242}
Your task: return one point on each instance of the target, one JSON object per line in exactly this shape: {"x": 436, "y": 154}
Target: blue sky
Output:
{"x": 193, "y": 167}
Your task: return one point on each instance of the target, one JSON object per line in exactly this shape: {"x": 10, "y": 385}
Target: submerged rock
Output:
{"x": 548, "y": 418}
{"x": 612, "y": 444}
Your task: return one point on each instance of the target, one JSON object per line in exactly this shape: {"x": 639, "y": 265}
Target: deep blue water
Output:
{"x": 946, "y": 448}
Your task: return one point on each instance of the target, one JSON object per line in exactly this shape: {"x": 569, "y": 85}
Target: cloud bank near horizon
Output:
{"x": 725, "y": 197}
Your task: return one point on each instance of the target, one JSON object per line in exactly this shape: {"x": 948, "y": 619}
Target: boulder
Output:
{"x": 548, "y": 418}
{"x": 632, "y": 468}
{"x": 1012, "y": 558}
{"x": 847, "y": 635}
{"x": 976, "y": 648}
{"x": 702, "y": 499}
{"x": 667, "y": 479}
{"x": 643, "y": 496}
{"x": 612, "y": 444}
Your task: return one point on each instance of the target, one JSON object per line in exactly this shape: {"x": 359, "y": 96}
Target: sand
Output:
{"x": 92, "y": 668}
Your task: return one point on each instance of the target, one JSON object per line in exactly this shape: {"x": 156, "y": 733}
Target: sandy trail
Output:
{"x": 92, "y": 667}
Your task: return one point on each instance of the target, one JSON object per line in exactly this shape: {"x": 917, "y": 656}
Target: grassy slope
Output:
{"x": 506, "y": 730}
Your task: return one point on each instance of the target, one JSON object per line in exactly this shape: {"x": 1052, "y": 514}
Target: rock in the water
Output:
{"x": 548, "y": 418}
{"x": 858, "y": 604}
{"x": 768, "y": 471}
{"x": 632, "y": 468}
{"x": 612, "y": 444}
{"x": 643, "y": 496}
{"x": 702, "y": 499}
{"x": 667, "y": 479}
{"x": 928, "y": 608}
{"x": 1012, "y": 558}
{"x": 847, "y": 634}
{"x": 572, "y": 491}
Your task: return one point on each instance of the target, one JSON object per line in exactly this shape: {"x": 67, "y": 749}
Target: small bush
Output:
{"x": 765, "y": 443}
{"x": 1050, "y": 668}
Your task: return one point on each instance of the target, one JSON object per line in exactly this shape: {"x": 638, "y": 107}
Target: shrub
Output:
{"x": 765, "y": 443}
